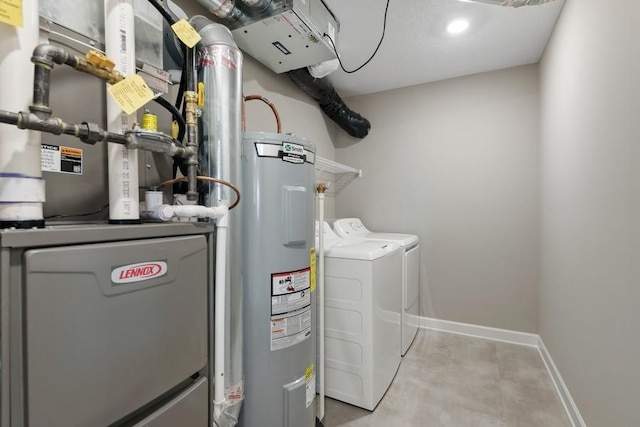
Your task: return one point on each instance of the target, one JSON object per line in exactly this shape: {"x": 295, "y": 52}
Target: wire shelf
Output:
{"x": 335, "y": 175}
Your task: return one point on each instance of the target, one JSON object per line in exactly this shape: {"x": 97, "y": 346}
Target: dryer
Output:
{"x": 362, "y": 317}
{"x": 351, "y": 228}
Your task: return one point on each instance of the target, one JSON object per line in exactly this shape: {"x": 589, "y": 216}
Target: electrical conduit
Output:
{"x": 22, "y": 190}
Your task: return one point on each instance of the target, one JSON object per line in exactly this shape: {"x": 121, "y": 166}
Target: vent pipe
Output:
{"x": 331, "y": 103}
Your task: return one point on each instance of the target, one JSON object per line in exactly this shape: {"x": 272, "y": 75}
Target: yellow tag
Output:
{"x": 186, "y": 33}
{"x": 175, "y": 129}
{"x": 308, "y": 373}
{"x": 11, "y": 12}
{"x": 312, "y": 263}
{"x": 200, "y": 94}
{"x": 131, "y": 93}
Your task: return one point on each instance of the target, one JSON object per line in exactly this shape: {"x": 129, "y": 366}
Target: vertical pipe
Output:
{"x": 220, "y": 72}
{"x": 21, "y": 184}
{"x": 220, "y": 314}
{"x": 321, "y": 190}
{"x": 191, "y": 120}
{"x": 123, "y": 162}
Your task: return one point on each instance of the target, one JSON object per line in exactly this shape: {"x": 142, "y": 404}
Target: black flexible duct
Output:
{"x": 331, "y": 103}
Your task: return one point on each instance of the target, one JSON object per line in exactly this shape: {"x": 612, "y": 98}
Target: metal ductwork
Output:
{"x": 512, "y": 3}
{"x": 331, "y": 103}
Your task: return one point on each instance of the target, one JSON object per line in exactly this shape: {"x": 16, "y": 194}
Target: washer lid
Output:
{"x": 367, "y": 250}
{"x": 362, "y": 249}
{"x": 354, "y": 228}
{"x": 403, "y": 240}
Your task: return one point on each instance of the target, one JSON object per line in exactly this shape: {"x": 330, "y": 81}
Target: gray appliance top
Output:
{"x": 91, "y": 232}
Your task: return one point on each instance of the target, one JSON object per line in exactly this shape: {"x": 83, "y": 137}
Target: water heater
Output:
{"x": 279, "y": 281}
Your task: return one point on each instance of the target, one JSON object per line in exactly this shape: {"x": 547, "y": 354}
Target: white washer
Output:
{"x": 350, "y": 228}
{"x": 362, "y": 318}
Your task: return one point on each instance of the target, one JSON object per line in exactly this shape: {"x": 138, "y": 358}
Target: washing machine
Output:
{"x": 410, "y": 246}
{"x": 362, "y": 317}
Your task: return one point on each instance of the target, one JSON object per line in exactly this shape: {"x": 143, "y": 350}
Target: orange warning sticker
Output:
{"x": 55, "y": 158}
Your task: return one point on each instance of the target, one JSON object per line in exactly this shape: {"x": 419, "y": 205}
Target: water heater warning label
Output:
{"x": 290, "y": 308}
{"x": 61, "y": 159}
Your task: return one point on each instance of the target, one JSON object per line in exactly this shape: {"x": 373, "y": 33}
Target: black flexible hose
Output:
{"x": 177, "y": 116}
{"x": 331, "y": 103}
{"x": 167, "y": 17}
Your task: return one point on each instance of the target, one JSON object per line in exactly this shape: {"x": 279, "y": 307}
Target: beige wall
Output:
{"x": 590, "y": 289}
{"x": 456, "y": 162}
{"x": 299, "y": 113}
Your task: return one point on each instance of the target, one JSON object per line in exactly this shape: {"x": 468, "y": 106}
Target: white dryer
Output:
{"x": 350, "y": 228}
{"x": 362, "y": 317}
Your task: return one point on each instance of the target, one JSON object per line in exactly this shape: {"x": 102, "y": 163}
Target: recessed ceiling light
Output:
{"x": 458, "y": 26}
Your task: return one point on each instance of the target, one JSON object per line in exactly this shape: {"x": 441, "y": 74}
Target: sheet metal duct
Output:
{"x": 512, "y": 3}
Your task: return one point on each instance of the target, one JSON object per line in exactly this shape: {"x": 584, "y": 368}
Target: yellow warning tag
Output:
{"x": 186, "y": 33}
{"x": 308, "y": 373}
{"x": 11, "y": 12}
{"x": 131, "y": 93}
{"x": 312, "y": 263}
{"x": 175, "y": 129}
{"x": 200, "y": 94}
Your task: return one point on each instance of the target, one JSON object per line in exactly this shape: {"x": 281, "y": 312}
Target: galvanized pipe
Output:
{"x": 191, "y": 119}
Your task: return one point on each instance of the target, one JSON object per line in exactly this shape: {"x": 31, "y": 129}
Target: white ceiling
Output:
{"x": 417, "y": 48}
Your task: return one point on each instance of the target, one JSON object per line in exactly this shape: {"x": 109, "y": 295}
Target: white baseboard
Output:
{"x": 568, "y": 402}
{"x": 513, "y": 337}
{"x": 495, "y": 334}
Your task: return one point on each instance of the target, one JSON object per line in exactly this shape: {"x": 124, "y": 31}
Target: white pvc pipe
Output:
{"x": 21, "y": 183}
{"x": 320, "y": 279}
{"x": 220, "y": 314}
{"x": 123, "y": 162}
{"x": 154, "y": 208}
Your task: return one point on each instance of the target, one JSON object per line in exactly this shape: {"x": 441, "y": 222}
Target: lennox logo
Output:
{"x": 139, "y": 272}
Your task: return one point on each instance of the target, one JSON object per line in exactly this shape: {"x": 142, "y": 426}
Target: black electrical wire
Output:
{"x": 177, "y": 116}
{"x": 58, "y": 216}
{"x": 384, "y": 30}
{"x": 160, "y": 8}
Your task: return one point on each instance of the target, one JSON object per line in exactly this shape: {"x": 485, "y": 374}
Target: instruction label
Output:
{"x": 290, "y": 308}
{"x": 310, "y": 380}
{"x": 11, "y": 12}
{"x": 61, "y": 159}
{"x": 131, "y": 93}
{"x": 312, "y": 261}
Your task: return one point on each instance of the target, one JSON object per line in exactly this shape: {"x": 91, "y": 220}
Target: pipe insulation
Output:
{"x": 220, "y": 76}
{"x": 331, "y": 103}
{"x": 122, "y": 161}
{"x": 22, "y": 190}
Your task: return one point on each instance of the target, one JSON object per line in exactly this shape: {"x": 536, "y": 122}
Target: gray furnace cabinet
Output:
{"x": 104, "y": 325}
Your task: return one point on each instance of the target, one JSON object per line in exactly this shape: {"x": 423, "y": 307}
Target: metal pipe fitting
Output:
{"x": 89, "y": 133}
{"x": 191, "y": 119}
{"x": 44, "y": 57}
